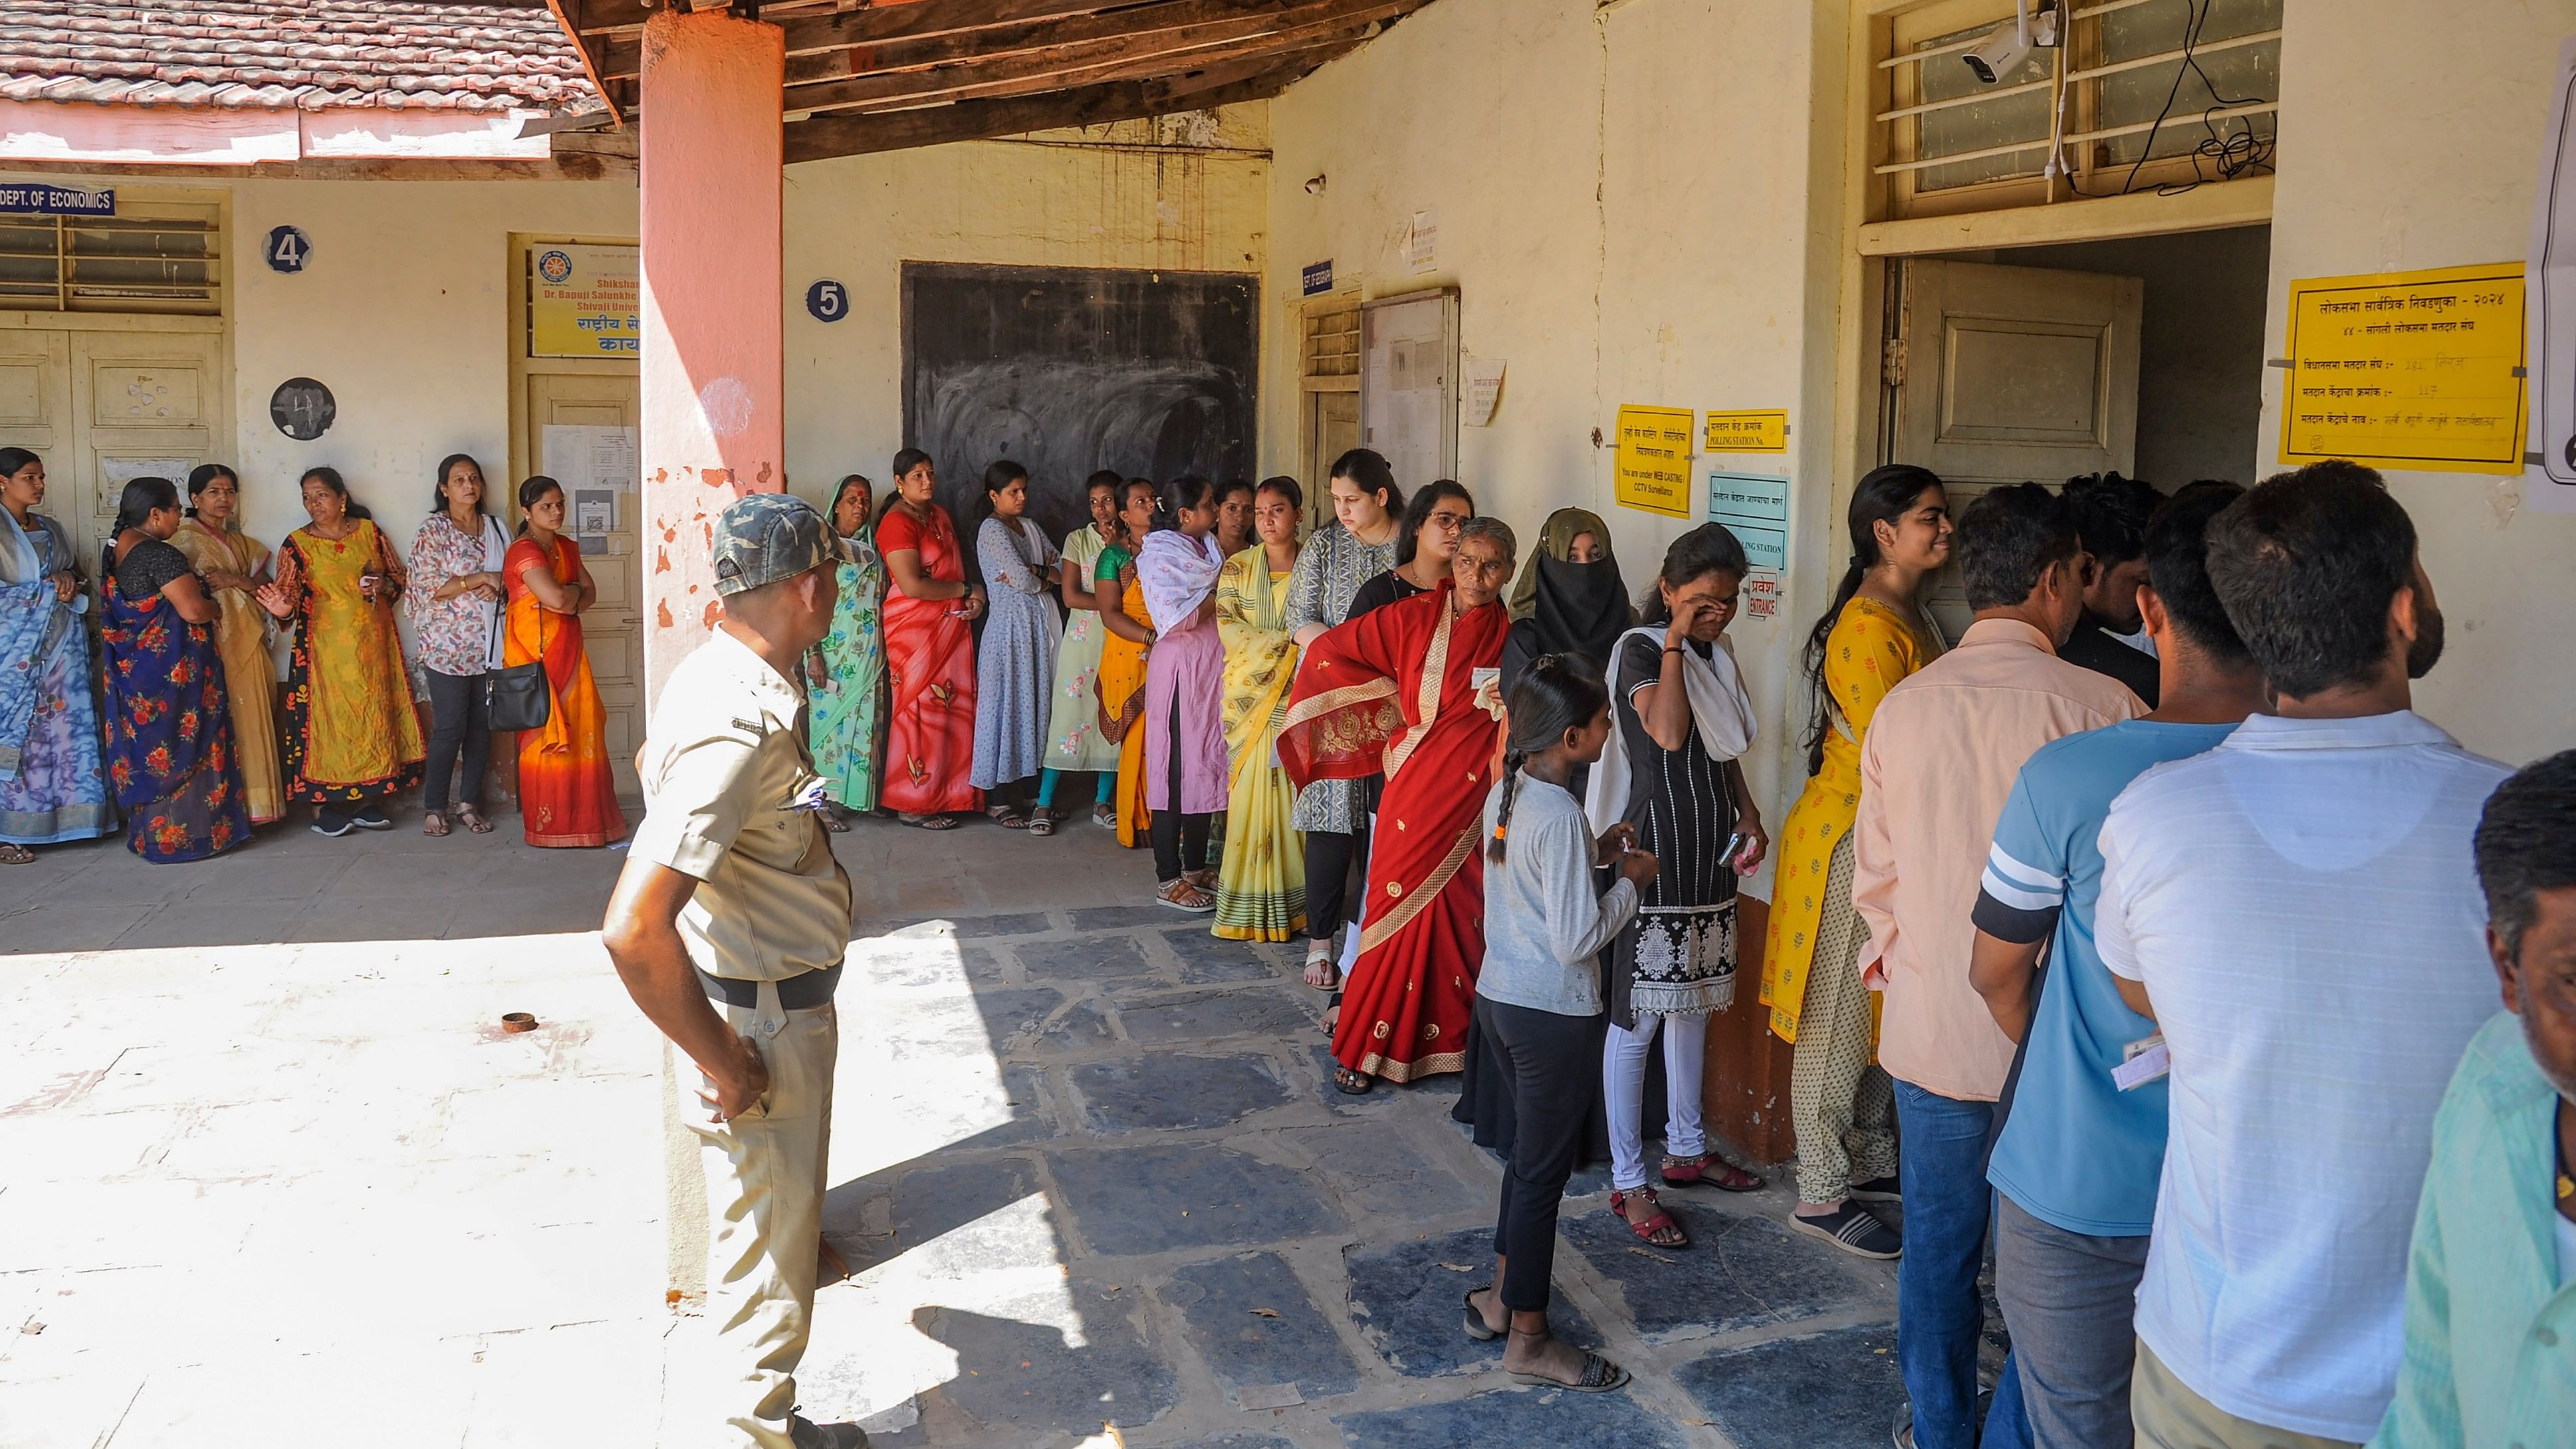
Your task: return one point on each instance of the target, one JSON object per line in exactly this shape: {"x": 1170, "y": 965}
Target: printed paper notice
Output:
{"x": 1650, "y": 464}
{"x": 2408, "y": 370}
{"x": 1484, "y": 389}
{"x": 1762, "y": 430}
{"x": 1755, "y": 508}
{"x": 580, "y": 456}
{"x": 1422, "y": 241}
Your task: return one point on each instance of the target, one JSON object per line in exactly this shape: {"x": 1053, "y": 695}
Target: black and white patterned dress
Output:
{"x": 1677, "y": 958}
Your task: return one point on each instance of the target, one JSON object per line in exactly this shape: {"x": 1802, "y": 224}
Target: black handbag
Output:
{"x": 516, "y": 697}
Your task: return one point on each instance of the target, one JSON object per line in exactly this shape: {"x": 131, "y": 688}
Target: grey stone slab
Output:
{"x": 1210, "y": 1015}
{"x": 968, "y": 927}
{"x": 1409, "y": 1300}
{"x": 1168, "y": 1091}
{"x": 1522, "y": 1417}
{"x": 1150, "y": 1199}
{"x": 1016, "y": 1013}
{"x": 1376, "y": 1101}
{"x": 907, "y": 966}
{"x": 1209, "y": 961}
{"x": 1837, "y": 1390}
{"x": 960, "y": 1212}
{"x": 1375, "y": 1167}
{"x": 1239, "y": 1441}
{"x": 1020, "y": 1375}
{"x": 1090, "y": 958}
{"x": 1739, "y": 1271}
{"x": 1081, "y": 1027}
{"x": 1119, "y": 918}
{"x": 1256, "y": 1325}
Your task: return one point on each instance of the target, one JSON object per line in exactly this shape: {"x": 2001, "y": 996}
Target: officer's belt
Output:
{"x": 796, "y": 993}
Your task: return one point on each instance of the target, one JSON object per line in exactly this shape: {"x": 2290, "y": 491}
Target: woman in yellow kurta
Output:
{"x": 351, "y": 737}
{"x": 234, "y": 565}
{"x": 1121, "y": 681}
{"x": 1261, "y": 881}
{"x": 567, "y": 793}
{"x": 1874, "y": 635}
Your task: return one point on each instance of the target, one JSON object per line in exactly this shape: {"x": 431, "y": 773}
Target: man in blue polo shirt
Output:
{"x": 2077, "y": 1162}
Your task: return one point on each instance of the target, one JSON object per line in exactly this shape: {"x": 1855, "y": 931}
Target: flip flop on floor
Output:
{"x": 1599, "y": 1376}
{"x": 1476, "y": 1326}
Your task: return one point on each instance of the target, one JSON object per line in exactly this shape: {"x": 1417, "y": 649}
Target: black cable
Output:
{"x": 2235, "y": 153}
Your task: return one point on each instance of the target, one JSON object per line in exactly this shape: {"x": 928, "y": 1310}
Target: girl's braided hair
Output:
{"x": 1556, "y": 693}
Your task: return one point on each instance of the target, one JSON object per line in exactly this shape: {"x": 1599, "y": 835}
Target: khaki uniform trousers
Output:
{"x": 766, "y": 1172}
{"x": 2169, "y": 1415}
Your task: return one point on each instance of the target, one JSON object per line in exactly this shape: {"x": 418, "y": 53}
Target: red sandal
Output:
{"x": 1653, "y": 1224}
{"x": 1710, "y": 1169}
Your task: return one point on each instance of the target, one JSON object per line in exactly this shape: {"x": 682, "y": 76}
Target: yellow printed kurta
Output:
{"x": 1872, "y": 646}
{"x": 250, "y": 675}
{"x": 351, "y": 732}
{"x": 1261, "y": 882}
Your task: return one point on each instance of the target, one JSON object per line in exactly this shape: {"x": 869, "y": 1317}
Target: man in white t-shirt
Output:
{"x": 2298, "y": 910}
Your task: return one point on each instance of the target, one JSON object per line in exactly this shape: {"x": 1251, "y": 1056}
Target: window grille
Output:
{"x": 1331, "y": 344}
{"x": 111, "y": 264}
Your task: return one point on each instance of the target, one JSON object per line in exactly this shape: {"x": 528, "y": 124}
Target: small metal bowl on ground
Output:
{"x": 518, "y": 1021}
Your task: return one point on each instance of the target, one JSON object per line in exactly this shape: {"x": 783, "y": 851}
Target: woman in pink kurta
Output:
{"x": 1184, "y": 688}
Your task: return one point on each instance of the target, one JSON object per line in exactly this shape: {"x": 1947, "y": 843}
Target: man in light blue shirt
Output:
{"x": 2491, "y": 1281}
{"x": 2077, "y": 1161}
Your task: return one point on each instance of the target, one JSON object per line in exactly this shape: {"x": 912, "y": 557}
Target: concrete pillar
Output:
{"x": 713, "y": 394}
{"x": 715, "y": 423}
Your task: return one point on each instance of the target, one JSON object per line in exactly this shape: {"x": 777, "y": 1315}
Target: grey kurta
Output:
{"x": 1332, "y": 569}
{"x": 1015, "y": 660}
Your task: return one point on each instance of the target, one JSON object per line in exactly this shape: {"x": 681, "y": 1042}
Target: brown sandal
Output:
{"x": 472, "y": 819}
{"x": 14, "y": 854}
{"x": 433, "y": 823}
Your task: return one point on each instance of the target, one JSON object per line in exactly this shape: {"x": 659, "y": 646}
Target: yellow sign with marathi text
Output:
{"x": 1763, "y": 430}
{"x": 584, "y": 301}
{"x": 2418, "y": 370}
{"x": 1650, "y": 463}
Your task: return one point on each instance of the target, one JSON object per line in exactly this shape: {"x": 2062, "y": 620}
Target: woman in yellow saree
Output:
{"x": 1261, "y": 882}
{"x": 1121, "y": 681}
{"x": 233, "y": 566}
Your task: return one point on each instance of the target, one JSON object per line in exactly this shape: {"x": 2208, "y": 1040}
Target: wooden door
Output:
{"x": 2012, "y": 374}
{"x": 612, "y": 630}
{"x": 36, "y": 414}
{"x": 148, "y": 405}
{"x": 1332, "y": 429}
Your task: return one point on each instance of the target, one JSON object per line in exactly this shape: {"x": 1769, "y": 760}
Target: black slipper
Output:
{"x": 1475, "y": 1325}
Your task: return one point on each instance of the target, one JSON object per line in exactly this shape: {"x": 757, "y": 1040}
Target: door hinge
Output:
{"x": 1891, "y": 361}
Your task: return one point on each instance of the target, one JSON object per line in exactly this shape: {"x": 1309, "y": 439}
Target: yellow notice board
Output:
{"x": 1763, "y": 430}
{"x": 1651, "y": 462}
{"x": 584, "y": 301}
{"x": 2408, "y": 370}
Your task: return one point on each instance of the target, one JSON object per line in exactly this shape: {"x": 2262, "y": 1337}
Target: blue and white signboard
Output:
{"x": 1755, "y": 508}
{"x": 38, "y": 199}
{"x": 1319, "y": 277}
{"x": 288, "y": 249}
{"x": 827, "y": 301}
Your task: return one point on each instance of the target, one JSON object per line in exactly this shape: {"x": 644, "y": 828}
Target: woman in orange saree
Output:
{"x": 926, "y": 776}
{"x": 1409, "y": 689}
{"x": 1120, "y": 683}
{"x": 567, "y": 793}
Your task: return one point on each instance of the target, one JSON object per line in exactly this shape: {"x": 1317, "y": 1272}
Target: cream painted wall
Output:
{"x": 2410, "y": 137}
{"x": 1637, "y": 205}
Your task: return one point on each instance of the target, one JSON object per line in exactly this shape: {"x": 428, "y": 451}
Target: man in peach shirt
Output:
{"x": 1936, "y": 769}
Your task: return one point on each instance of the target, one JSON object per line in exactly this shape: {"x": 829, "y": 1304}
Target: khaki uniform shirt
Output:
{"x": 724, "y": 765}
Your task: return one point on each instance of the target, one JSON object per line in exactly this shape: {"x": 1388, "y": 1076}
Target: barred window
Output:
{"x": 111, "y": 264}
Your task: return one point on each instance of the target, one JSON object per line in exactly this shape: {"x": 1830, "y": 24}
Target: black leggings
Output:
{"x": 456, "y": 724}
{"x": 1180, "y": 841}
{"x": 1555, "y": 1065}
{"x": 1330, "y": 854}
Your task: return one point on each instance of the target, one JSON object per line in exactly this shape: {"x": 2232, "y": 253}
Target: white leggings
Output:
{"x": 1623, "y": 1088}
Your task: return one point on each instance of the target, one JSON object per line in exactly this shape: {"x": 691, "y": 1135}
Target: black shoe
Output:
{"x": 371, "y": 818}
{"x": 809, "y": 1435}
{"x": 1903, "y": 1430}
{"x": 1852, "y": 1228}
{"x": 1877, "y": 1189}
{"x": 333, "y": 825}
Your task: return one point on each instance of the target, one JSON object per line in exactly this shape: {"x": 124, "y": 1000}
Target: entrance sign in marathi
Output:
{"x": 1650, "y": 462}
{"x": 1755, "y": 508}
{"x": 583, "y": 302}
{"x": 1759, "y": 430}
{"x": 2418, "y": 370}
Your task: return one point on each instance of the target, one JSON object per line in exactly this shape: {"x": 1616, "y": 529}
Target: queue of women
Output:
{"x": 181, "y": 733}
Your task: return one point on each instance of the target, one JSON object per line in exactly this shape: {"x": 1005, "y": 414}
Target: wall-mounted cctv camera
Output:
{"x": 2003, "y": 52}
{"x": 1315, "y": 185}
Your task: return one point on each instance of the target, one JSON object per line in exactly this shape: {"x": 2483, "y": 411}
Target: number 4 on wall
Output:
{"x": 288, "y": 249}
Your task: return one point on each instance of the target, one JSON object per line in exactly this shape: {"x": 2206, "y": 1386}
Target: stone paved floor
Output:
{"x": 272, "y": 1163}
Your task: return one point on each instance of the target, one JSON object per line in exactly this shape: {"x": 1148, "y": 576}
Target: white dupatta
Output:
{"x": 1720, "y": 710}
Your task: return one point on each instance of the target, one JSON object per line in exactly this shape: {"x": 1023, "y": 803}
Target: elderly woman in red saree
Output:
{"x": 1409, "y": 690}
{"x": 930, "y": 655}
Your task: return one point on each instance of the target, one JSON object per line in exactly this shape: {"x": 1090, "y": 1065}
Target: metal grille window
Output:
{"x": 111, "y": 264}
{"x": 2138, "y": 95}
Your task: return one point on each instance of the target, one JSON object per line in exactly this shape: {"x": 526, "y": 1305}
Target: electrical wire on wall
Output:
{"x": 2230, "y": 152}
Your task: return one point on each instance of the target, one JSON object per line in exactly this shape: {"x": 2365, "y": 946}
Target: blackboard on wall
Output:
{"x": 1067, "y": 370}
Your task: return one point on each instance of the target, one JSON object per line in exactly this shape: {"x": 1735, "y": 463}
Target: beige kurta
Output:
{"x": 250, "y": 674}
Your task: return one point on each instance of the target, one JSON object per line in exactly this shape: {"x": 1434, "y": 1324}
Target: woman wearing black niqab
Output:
{"x": 1569, "y": 598}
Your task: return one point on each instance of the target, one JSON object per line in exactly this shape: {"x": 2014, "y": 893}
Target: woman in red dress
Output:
{"x": 930, "y": 655}
{"x": 1409, "y": 689}
{"x": 567, "y": 790}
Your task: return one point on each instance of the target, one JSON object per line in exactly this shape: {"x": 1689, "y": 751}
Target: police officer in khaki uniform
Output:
{"x": 727, "y": 927}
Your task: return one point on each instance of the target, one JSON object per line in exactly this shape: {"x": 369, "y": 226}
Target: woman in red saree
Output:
{"x": 567, "y": 793}
{"x": 930, "y": 655}
{"x": 1409, "y": 690}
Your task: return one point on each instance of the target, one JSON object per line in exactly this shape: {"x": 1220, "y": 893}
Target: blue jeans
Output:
{"x": 1939, "y": 1317}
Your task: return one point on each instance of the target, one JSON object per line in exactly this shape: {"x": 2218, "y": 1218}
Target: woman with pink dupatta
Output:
{"x": 1185, "y": 763}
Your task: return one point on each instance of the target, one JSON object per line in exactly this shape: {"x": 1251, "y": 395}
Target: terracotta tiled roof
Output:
{"x": 306, "y": 54}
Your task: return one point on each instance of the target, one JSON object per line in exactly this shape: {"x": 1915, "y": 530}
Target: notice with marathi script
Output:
{"x": 584, "y": 301}
{"x": 1651, "y": 460}
{"x": 2416, "y": 370}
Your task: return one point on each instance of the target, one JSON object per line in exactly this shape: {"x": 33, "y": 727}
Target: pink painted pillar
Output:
{"x": 713, "y": 393}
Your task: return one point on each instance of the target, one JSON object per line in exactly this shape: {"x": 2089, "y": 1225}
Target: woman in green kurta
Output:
{"x": 846, "y": 671}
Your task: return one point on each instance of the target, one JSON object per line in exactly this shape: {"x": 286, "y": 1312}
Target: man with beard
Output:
{"x": 2297, "y": 911}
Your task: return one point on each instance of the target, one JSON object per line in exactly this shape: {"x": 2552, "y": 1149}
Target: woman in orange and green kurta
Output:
{"x": 567, "y": 793}
{"x": 350, "y": 735}
{"x": 1875, "y": 634}
{"x": 1120, "y": 683}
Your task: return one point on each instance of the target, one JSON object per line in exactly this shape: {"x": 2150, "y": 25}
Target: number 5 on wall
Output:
{"x": 827, "y": 301}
